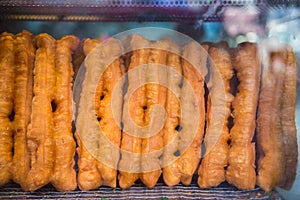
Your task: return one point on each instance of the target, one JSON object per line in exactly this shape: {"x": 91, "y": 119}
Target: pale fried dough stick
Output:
{"x": 270, "y": 162}
{"x": 287, "y": 116}
{"x": 194, "y": 71}
{"x": 6, "y": 104}
{"x": 129, "y": 165}
{"x": 152, "y": 144}
{"x": 88, "y": 174}
{"x": 240, "y": 171}
{"x": 24, "y": 62}
{"x": 171, "y": 170}
{"x": 109, "y": 120}
{"x": 40, "y": 130}
{"x": 211, "y": 171}
{"x": 276, "y": 131}
{"x": 64, "y": 175}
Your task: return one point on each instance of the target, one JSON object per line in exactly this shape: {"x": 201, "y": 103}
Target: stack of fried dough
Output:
{"x": 147, "y": 109}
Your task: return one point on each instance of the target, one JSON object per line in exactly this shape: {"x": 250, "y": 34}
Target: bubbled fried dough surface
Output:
{"x": 152, "y": 143}
{"x": 64, "y": 175}
{"x": 6, "y": 104}
{"x": 40, "y": 141}
{"x": 241, "y": 166}
{"x": 212, "y": 169}
{"x": 88, "y": 174}
{"x": 129, "y": 164}
{"x": 99, "y": 145}
{"x": 36, "y": 114}
{"x": 171, "y": 170}
{"x": 24, "y": 62}
{"x": 194, "y": 71}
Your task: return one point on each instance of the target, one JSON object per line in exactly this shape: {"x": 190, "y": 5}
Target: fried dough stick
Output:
{"x": 88, "y": 174}
{"x": 270, "y": 162}
{"x": 40, "y": 141}
{"x": 194, "y": 71}
{"x": 133, "y": 112}
{"x": 241, "y": 167}
{"x": 287, "y": 116}
{"x": 276, "y": 131}
{"x": 99, "y": 163}
{"x": 6, "y": 104}
{"x": 152, "y": 144}
{"x": 64, "y": 175}
{"x": 171, "y": 170}
{"x": 211, "y": 171}
{"x": 24, "y": 62}
{"x": 109, "y": 115}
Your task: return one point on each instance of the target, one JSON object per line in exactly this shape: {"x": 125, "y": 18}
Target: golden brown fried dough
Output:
{"x": 152, "y": 142}
{"x": 192, "y": 101}
{"x": 109, "y": 120}
{"x": 88, "y": 175}
{"x": 64, "y": 175}
{"x": 6, "y": 104}
{"x": 40, "y": 141}
{"x": 24, "y": 62}
{"x": 133, "y": 112}
{"x": 241, "y": 167}
{"x": 211, "y": 171}
{"x": 99, "y": 141}
{"x": 171, "y": 170}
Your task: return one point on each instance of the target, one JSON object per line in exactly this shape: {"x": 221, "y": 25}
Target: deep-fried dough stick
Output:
{"x": 171, "y": 170}
{"x": 129, "y": 164}
{"x": 211, "y": 171}
{"x": 24, "y": 62}
{"x": 287, "y": 116}
{"x": 40, "y": 130}
{"x": 6, "y": 104}
{"x": 276, "y": 131}
{"x": 240, "y": 171}
{"x": 110, "y": 123}
{"x": 270, "y": 162}
{"x": 64, "y": 175}
{"x": 88, "y": 174}
{"x": 100, "y": 144}
{"x": 152, "y": 144}
{"x": 194, "y": 71}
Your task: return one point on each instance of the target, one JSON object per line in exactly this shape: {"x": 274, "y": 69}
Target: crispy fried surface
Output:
{"x": 194, "y": 71}
{"x": 241, "y": 168}
{"x": 171, "y": 170}
{"x": 110, "y": 123}
{"x": 24, "y": 62}
{"x": 99, "y": 145}
{"x": 6, "y": 104}
{"x": 130, "y": 162}
{"x": 40, "y": 141}
{"x": 88, "y": 174}
{"x": 152, "y": 144}
{"x": 64, "y": 175}
{"x": 211, "y": 171}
